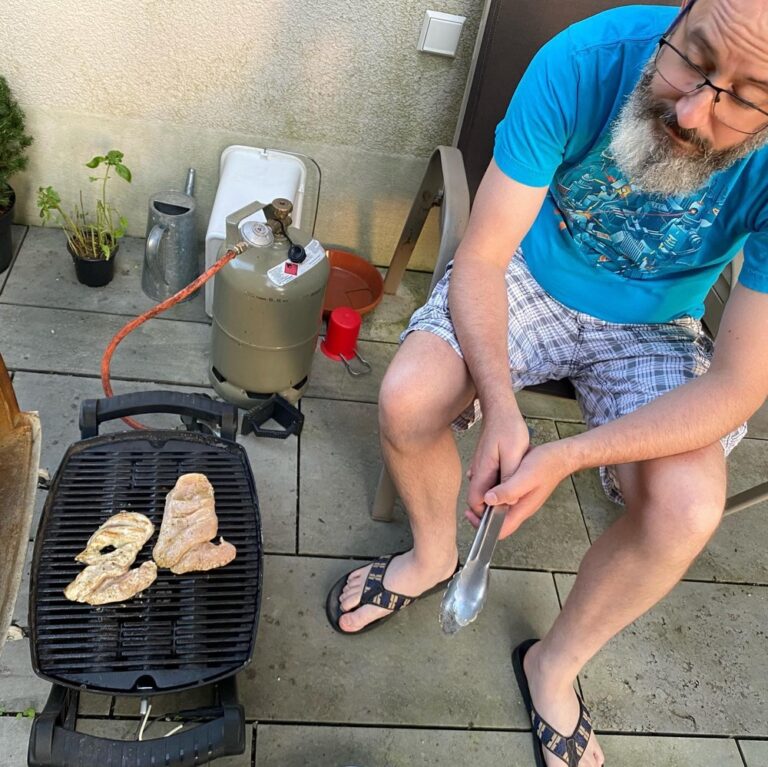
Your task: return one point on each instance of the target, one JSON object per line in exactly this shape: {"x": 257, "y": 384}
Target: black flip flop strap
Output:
{"x": 374, "y": 592}
{"x": 567, "y": 748}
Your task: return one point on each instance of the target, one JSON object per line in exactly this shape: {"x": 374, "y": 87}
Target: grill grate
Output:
{"x": 184, "y": 629}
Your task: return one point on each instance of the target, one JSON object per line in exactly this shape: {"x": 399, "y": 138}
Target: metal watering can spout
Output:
{"x": 170, "y": 253}
{"x": 189, "y": 188}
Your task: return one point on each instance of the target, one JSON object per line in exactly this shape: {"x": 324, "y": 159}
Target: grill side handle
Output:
{"x": 53, "y": 741}
{"x": 96, "y": 411}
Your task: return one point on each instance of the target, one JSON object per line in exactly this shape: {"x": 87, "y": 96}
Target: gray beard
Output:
{"x": 652, "y": 160}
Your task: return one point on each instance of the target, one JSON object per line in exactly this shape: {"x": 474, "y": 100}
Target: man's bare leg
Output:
{"x": 425, "y": 388}
{"x": 674, "y": 505}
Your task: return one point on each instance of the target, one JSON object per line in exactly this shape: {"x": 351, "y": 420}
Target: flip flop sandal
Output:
{"x": 374, "y": 593}
{"x": 568, "y": 748}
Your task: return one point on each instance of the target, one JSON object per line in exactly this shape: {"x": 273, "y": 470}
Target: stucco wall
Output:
{"x": 172, "y": 82}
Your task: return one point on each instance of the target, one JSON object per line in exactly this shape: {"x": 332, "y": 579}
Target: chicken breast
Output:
{"x": 125, "y": 586}
{"x": 126, "y": 531}
{"x": 189, "y": 523}
{"x": 205, "y": 556}
{"x": 91, "y": 578}
{"x": 107, "y": 577}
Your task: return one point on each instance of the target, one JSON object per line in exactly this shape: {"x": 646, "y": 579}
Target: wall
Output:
{"x": 171, "y": 83}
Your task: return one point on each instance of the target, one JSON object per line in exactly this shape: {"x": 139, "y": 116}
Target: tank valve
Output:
{"x": 296, "y": 254}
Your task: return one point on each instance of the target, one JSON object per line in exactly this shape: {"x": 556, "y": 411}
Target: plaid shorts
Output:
{"x": 614, "y": 368}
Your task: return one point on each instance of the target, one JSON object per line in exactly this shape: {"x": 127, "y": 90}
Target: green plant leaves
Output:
{"x": 48, "y": 201}
{"x": 13, "y": 139}
{"x": 123, "y": 172}
{"x": 93, "y": 234}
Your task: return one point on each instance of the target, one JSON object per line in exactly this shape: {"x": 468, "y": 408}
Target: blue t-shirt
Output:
{"x": 598, "y": 245}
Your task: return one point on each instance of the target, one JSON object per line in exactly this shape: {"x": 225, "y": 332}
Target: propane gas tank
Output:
{"x": 267, "y": 307}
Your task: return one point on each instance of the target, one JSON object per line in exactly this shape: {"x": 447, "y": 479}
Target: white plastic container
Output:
{"x": 248, "y": 174}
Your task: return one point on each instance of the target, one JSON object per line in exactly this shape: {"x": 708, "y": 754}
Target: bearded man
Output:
{"x": 627, "y": 172}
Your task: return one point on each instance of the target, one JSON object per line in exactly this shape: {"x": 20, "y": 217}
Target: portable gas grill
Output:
{"x": 182, "y": 632}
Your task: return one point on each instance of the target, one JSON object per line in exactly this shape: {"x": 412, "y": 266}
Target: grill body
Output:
{"x": 183, "y": 630}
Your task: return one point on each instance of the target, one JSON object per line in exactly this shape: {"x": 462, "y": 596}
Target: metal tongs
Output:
{"x": 467, "y": 591}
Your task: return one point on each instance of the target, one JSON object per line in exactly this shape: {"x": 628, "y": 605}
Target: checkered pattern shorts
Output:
{"x": 614, "y": 368}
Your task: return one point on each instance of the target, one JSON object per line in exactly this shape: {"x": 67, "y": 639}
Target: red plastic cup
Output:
{"x": 341, "y": 335}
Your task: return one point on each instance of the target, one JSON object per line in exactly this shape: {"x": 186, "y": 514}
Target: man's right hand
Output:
{"x": 503, "y": 443}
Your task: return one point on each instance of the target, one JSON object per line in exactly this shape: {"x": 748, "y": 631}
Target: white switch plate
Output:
{"x": 440, "y": 33}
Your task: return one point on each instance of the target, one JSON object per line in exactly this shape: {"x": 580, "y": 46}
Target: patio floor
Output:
{"x": 686, "y": 684}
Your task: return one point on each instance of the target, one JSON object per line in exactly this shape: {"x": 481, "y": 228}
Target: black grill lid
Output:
{"x": 183, "y": 630}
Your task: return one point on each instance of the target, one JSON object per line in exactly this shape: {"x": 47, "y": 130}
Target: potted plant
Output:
{"x": 13, "y": 145}
{"x": 92, "y": 236}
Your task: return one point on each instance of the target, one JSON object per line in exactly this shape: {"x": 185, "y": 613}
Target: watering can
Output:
{"x": 170, "y": 253}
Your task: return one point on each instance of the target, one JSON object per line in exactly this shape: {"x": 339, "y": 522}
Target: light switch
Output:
{"x": 440, "y": 33}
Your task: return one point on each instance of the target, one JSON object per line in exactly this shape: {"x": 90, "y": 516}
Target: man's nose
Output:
{"x": 694, "y": 110}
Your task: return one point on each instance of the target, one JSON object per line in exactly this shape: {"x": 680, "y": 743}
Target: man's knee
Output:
{"x": 685, "y": 521}
{"x": 679, "y": 501}
{"x": 423, "y": 390}
{"x": 408, "y": 406}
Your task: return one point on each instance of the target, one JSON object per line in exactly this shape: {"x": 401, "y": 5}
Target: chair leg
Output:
{"x": 748, "y": 498}
{"x": 428, "y": 193}
{"x": 444, "y": 184}
{"x": 383, "y": 509}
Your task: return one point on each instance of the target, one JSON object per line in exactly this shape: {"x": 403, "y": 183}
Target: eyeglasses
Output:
{"x": 677, "y": 70}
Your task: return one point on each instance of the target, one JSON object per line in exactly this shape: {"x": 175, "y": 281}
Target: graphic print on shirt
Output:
{"x": 630, "y": 233}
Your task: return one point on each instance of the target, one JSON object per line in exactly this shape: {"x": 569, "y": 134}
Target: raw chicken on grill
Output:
{"x": 189, "y": 523}
{"x": 107, "y": 577}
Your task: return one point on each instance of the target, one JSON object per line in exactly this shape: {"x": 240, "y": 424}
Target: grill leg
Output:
{"x": 55, "y": 743}
{"x": 60, "y": 710}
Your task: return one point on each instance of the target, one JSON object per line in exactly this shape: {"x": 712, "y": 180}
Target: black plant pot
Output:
{"x": 94, "y": 272}
{"x": 6, "y": 244}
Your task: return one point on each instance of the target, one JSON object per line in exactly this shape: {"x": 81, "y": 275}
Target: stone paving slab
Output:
{"x": 340, "y": 465}
{"x": 407, "y": 672}
{"x": 535, "y": 405}
{"x": 755, "y": 752}
{"x": 758, "y": 424}
{"x": 45, "y": 253}
{"x": 21, "y": 608}
{"x": 58, "y": 398}
{"x": 128, "y": 730}
{"x": 14, "y": 739}
{"x": 695, "y": 664}
{"x": 388, "y": 320}
{"x": 91, "y": 704}
{"x": 330, "y": 379}
{"x": 66, "y": 341}
{"x": 736, "y": 552}
{"x": 332, "y": 746}
{"x": 651, "y": 751}
{"x": 18, "y": 234}
{"x": 20, "y": 688}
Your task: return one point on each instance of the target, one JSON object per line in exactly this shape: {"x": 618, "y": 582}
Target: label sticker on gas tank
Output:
{"x": 286, "y": 271}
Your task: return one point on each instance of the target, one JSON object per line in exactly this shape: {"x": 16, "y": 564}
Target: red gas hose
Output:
{"x": 153, "y": 312}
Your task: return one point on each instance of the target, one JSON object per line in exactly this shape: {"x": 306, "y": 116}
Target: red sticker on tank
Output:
{"x": 291, "y": 268}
